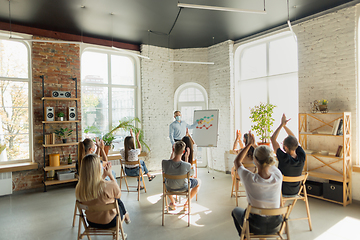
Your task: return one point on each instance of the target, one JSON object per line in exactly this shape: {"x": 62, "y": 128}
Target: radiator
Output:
{"x": 5, "y": 183}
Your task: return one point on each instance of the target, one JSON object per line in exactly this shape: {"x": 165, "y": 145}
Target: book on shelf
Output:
{"x": 340, "y": 128}
{"x": 335, "y": 127}
{"x": 339, "y": 151}
{"x": 50, "y": 138}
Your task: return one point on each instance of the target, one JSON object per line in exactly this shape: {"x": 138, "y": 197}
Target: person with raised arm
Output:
{"x": 291, "y": 160}
{"x": 263, "y": 189}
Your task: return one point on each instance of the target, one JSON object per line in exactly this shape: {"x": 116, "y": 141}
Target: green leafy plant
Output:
{"x": 63, "y": 132}
{"x": 60, "y": 114}
{"x": 323, "y": 102}
{"x": 125, "y": 124}
{"x": 261, "y": 116}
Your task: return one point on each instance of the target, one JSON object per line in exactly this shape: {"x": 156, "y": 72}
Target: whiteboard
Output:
{"x": 206, "y": 134}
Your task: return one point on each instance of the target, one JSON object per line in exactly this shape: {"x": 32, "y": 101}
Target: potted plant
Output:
{"x": 322, "y": 104}
{"x": 60, "y": 116}
{"x": 125, "y": 124}
{"x": 261, "y": 116}
{"x": 63, "y": 133}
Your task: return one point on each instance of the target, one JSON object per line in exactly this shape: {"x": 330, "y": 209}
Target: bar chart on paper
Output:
{"x": 206, "y": 134}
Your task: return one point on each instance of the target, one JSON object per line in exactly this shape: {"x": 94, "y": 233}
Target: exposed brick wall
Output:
{"x": 59, "y": 63}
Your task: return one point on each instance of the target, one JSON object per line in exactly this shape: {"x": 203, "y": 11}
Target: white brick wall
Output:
{"x": 328, "y": 67}
{"x": 221, "y": 96}
{"x": 157, "y": 87}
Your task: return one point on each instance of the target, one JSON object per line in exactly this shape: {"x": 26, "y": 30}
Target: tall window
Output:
{"x": 269, "y": 74}
{"x": 108, "y": 91}
{"x": 188, "y": 98}
{"x": 15, "y": 105}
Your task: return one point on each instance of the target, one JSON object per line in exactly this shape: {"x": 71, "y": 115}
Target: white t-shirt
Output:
{"x": 262, "y": 193}
{"x": 132, "y": 156}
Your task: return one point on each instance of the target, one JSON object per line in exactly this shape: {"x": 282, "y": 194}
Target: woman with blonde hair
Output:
{"x": 263, "y": 189}
{"x": 92, "y": 190}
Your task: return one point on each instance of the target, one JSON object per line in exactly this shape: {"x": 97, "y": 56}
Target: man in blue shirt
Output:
{"x": 177, "y": 129}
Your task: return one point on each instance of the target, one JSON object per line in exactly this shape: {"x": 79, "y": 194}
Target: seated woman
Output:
{"x": 87, "y": 147}
{"x": 92, "y": 190}
{"x": 263, "y": 189}
{"x": 131, "y": 153}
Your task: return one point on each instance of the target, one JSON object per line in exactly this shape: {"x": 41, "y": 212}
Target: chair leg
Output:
{"x": 73, "y": 224}
{"x": 163, "y": 208}
{"x": 189, "y": 209}
{"x": 139, "y": 188}
{"x": 236, "y": 191}
{"x": 233, "y": 186}
{"x": 308, "y": 212}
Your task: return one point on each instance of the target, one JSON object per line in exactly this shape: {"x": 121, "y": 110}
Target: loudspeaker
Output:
{"x": 72, "y": 114}
{"x": 61, "y": 94}
{"x": 49, "y": 114}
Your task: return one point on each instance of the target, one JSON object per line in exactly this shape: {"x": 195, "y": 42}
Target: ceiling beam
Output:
{"x": 66, "y": 36}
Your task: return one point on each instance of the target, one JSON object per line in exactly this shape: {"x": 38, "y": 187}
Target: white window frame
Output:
{"x": 4, "y": 35}
{"x": 237, "y": 62}
{"x": 110, "y": 86}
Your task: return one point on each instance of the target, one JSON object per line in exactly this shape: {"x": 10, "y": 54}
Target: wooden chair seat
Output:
{"x": 302, "y": 195}
{"x": 284, "y": 211}
{"x": 166, "y": 193}
{"x": 114, "y": 232}
{"x": 236, "y": 183}
{"x": 140, "y": 177}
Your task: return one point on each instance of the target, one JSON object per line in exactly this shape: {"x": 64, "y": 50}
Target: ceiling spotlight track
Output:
{"x": 215, "y": 8}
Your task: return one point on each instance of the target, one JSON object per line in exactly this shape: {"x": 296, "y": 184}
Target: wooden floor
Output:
{"x": 48, "y": 215}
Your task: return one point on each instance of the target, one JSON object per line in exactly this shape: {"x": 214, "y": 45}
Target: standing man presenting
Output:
{"x": 177, "y": 129}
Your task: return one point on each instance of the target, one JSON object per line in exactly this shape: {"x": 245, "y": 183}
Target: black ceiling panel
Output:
{"x": 132, "y": 19}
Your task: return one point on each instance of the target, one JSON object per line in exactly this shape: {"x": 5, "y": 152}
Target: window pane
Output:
{"x": 249, "y": 100}
{"x": 283, "y": 92}
{"x": 191, "y": 95}
{"x": 283, "y": 56}
{"x": 122, "y": 70}
{"x": 94, "y": 67}
{"x": 253, "y": 62}
{"x": 13, "y": 59}
{"x": 14, "y": 120}
{"x": 94, "y": 105}
{"x": 16, "y": 147}
{"x": 123, "y": 104}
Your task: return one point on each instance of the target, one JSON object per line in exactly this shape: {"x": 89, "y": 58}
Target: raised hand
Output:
{"x": 284, "y": 120}
{"x": 251, "y": 138}
{"x": 131, "y": 132}
{"x": 101, "y": 144}
{"x": 138, "y": 134}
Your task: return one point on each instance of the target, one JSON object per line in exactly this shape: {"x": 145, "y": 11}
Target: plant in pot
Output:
{"x": 322, "y": 104}
{"x": 63, "y": 133}
{"x": 60, "y": 116}
{"x": 261, "y": 116}
{"x": 125, "y": 125}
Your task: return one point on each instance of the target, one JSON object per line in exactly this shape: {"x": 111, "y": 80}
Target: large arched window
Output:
{"x": 267, "y": 71}
{"x": 188, "y": 98}
{"x": 15, "y": 102}
{"x": 109, "y": 91}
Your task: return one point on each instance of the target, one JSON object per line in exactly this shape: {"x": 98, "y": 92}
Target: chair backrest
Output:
{"x": 98, "y": 208}
{"x": 301, "y": 179}
{"x": 168, "y": 176}
{"x": 268, "y": 211}
{"x": 130, "y": 162}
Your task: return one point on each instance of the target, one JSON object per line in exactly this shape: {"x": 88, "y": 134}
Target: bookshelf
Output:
{"x": 47, "y": 145}
{"x": 321, "y": 145}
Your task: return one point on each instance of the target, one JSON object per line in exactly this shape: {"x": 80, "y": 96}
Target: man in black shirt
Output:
{"x": 291, "y": 162}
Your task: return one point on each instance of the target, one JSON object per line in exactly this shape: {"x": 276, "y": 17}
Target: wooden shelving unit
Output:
{"x": 45, "y": 146}
{"x": 327, "y": 167}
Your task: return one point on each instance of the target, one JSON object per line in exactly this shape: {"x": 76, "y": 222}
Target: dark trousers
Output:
{"x": 258, "y": 224}
{"x": 113, "y": 222}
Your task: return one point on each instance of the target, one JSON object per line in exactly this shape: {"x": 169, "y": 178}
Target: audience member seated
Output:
{"x": 88, "y": 147}
{"x": 248, "y": 160}
{"x": 291, "y": 162}
{"x": 131, "y": 153}
{"x": 92, "y": 189}
{"x": 263, "y": 189}
{"x": 176, "y": 166}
